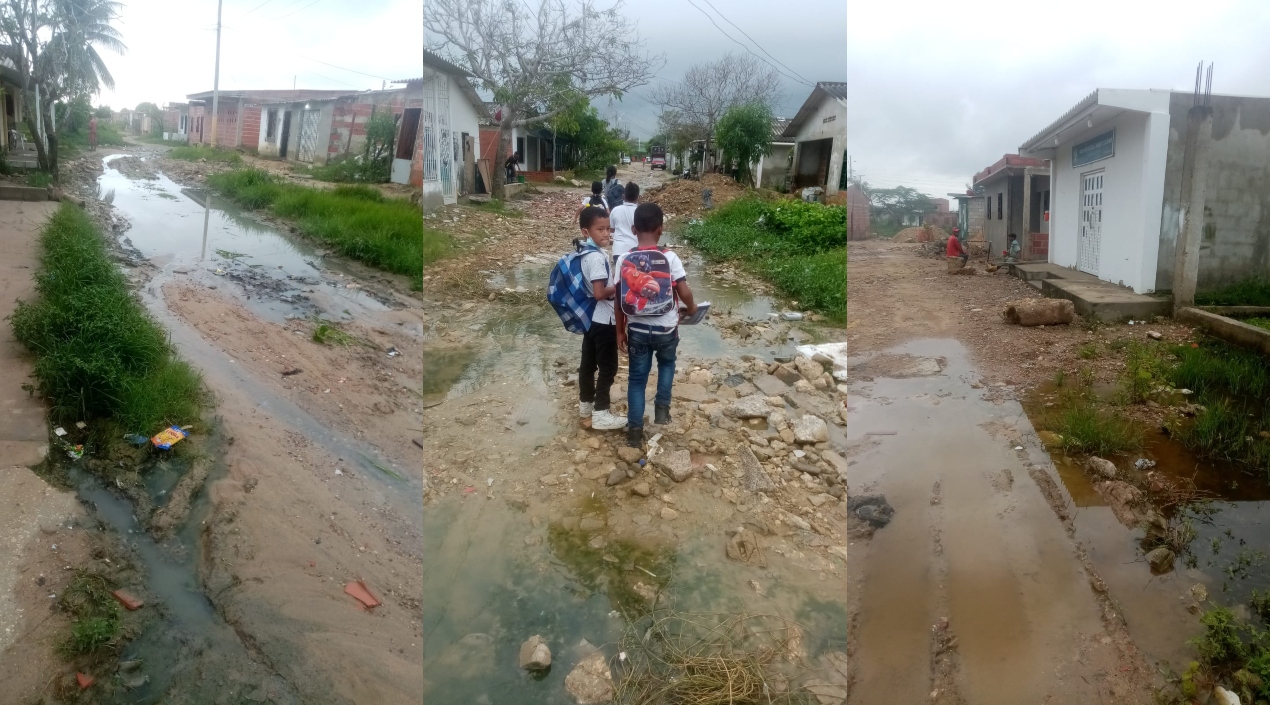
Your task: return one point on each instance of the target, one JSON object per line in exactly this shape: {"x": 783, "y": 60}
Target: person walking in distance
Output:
{"x": 92, "y": 133}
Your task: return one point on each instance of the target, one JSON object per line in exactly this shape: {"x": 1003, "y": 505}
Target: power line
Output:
{"x": 743, "y": 46}
{"x": 760, "y": 46}
{"x": 266, "y": 2}
{"x": 300, "y": 10}
{"x": 309, "y": 58}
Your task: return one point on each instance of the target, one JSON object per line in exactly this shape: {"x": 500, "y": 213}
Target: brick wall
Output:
{"x": 416, "y": 167}
{"x": 251, "y": 127}
{"x": 1040, "y": 247}
{"x": 226, "y": 125}
{"x": 350, "y": 115}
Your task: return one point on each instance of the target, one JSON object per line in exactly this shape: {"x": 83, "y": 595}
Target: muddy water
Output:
{"x": 1228, "y": 553}
{"x": 973, "y": 540}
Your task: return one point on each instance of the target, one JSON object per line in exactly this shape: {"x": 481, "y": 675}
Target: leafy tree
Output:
{"x": 539, "y": 64}
{"x": 104, "y": 112}
{"x": 745, "y": 136}
{"x": 692, "y": 107}
{"x": 894, "y": 204}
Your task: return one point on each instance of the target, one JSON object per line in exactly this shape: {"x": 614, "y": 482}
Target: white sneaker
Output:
{"x": 585, "y": 409}
{"x": 607, "y": 421}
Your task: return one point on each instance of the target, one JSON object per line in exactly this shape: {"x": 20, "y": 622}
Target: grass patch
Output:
{"x": 497, "y": 207}
{"x": 193, "y": 153}
{"x": 72, "y": 143}
{"x": 358, "y": 221}
{"x": 39, "y": 179}
{"x": 1254, "y": 291}
{"x": 99, "y": 355}
{"x": 1089, "y": 430}
{"x": 1088, "y": 351}
{"x": 96, "y": 617}
{"x": 327, "y": 334}
{"x": 1231, "y": 651}
{"x": 1259, "y": 322}
{"x": 800, "y": 247}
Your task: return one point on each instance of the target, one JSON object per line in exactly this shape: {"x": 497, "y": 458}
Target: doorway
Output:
{"x": 286, "y": 134}
{"x": 406, "y": 141}
{"x": 1090, "y": 222}
{"x": 813, "y": 163}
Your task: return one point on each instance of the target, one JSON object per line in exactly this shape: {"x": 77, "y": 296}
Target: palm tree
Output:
{"x": 79, "y": 27}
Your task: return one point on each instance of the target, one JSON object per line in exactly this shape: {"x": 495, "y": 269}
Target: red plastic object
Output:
{"x": 127, "y": 600}
{"x": 358, "y": 590}
{"x": 84, "y": 680}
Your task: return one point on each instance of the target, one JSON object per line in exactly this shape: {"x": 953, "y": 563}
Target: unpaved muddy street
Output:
{"x": 535, "y": 524}
{"x": 312, "y": 478}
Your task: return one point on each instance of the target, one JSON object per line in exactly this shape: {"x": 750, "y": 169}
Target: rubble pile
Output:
{"x": 923, "y": 233}
{"x": 682, "y": 197}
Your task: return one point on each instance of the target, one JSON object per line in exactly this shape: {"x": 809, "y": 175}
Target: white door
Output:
{"x": 308, "y": 136}
{"x": 1090, "y": 222}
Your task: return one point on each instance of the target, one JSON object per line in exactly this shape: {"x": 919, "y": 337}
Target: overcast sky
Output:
{"x": 265, "y": 44}
{"x": 939, "y": 91}
{"x": 806, "y": 37}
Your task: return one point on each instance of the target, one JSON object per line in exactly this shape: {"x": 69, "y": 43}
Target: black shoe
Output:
{"x": 635, "y": 436}
{"x": 661, "y": 415}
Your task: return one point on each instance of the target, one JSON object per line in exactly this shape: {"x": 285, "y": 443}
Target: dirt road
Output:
{"x": 976, "y": 591}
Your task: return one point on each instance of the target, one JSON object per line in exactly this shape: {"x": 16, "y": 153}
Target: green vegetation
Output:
{"x": 326, "y": 333}
{"x": 359, "y": 222}
{"x": 1249, "y": 292}
{"x": 374, "y": 165}
{"x": 1233, "y": 652}
{"x": 39, "y": 179}
{"x": 1088, "y": 351}
{"x": 1258, "y": 322}
{"x": 499, "y": 207}
{"x": 1231, "y": 385}
{"x": 96, "y": 618}
{"x": 99, "y": 356}
{"x": 744, "y": 133}
{"x": 1087, "y": 429}
{"x": 195, "y": 152}
{"x": 800, "y": 247}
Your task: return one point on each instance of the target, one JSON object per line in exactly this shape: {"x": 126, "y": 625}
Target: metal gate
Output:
{"x": 308, "y": 136}
{"x": 1090, "y": 222}
{"x": 445, "y": 150}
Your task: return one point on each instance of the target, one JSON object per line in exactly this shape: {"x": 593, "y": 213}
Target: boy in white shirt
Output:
{"x": 652, "y": 282}
{"x": 599, "y": 342}
{"x": 622, "y": 221}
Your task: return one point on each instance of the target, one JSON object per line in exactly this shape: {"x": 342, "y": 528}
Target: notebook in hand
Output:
{"x": 703, "y": 309}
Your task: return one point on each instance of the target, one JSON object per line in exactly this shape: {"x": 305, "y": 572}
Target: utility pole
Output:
{"x": 216, "y": 77}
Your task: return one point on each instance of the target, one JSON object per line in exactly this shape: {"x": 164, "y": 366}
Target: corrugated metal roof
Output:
{"x": 440, "y": 64}
{"x": 823, "y": 89}
{"x": 1091, "y": 99}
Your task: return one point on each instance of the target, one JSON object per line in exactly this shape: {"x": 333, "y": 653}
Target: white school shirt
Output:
{"x": 587, "y": 202}
{"x": 622, "y": 220}
{"x": 596, "y": 267}
{"x": 670, "y": 319}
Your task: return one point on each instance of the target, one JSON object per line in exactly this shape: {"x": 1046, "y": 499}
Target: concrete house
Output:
{"x": 972, "y": 215}
{"x": 1120, "y": 161}
{"x": 819, "y": 133}
{"x": 239, "y": 118}
{"x": 772, "y": 169}
{"x": 451, "y": 117}
{"x": 176, "y": 119}
{"x": 1016, "y": 192}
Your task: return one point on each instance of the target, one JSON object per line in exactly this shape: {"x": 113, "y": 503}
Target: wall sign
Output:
{"x": 1101, "y": 147}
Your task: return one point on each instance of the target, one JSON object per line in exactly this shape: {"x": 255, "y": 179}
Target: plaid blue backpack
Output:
{"x": 569, "y": 292}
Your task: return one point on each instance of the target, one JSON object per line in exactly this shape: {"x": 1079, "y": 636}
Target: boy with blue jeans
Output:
{"x": 651, "y": 283}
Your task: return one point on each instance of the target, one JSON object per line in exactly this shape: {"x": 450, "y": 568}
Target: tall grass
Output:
{"x": 1254, "y": 291}
{"x": 195, "y": 152}
{"x": 1231, "y": 385}
{"x": 799, "y": 247}
{"x": 357, "y": 221}
{"x": 1089, "y": 430}
{"x": 98, "y": 354}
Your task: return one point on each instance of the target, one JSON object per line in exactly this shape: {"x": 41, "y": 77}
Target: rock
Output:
{"x": 630, "y": 455}
{"x": 641, "y": 489}
{"x": 811, "y": 371}
{"x": 669, "y": 514}
{"x": 770, "y": 386}
{"x": 1221, "y": 696}
{"x": 804, "y": 466}
{"x": 647, "y": 592}
{"x": 534, "y": 654}
{"x": 837, "y": 462}
{"x": 1155, "y": 335}
{"x": 1099, "y": 466}
{"x": 591, "y": 523}
{"x": 744, "y": 547}
{"x": 802, "y": 386}
{"x": 811, "y": 429}
{"x": 872, "y": 508}
{"x": 751, "y": 407}
{"x": 1124, "y": 500}
{"x": 776, "y": 402}
{"x": 839, "y": 551}
{"x": 549, "y": 480}
{"x": 702, "y": 377}
{"x": 787, "y": 374}
{"x": 617, "y": 476}
{"x": 795, "y": 520}
{"x": 820, "y": 499}
{"x": 753, "y": 477}
{"x": 1161, "y": 559}
{"x": 590, "y": 682}
{"x": 675, "y": 464}
{"x": 690, "y": 391}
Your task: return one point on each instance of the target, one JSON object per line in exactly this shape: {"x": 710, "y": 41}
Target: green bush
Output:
{"x": 98, "y": 353}
{"x": 1086, "y": 429}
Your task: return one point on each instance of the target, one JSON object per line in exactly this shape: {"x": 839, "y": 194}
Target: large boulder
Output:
{"x": 810, "y": 370}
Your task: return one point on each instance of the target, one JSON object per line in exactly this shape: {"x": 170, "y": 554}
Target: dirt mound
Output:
{"x": 683, "y": 197}
{"x": 924, "y": 233}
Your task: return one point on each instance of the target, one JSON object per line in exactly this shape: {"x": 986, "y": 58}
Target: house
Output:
{"x": 1016, "y": 193}
{"x": 939, "y": 215}
{"x": 176, "y": 118}
{"x": 194, "y": 125}
{"x": 1120, "y": 164}
{"x": 773, "y": 168}
{"x": 819, "y": 134}
{"x": 451, "y": 119}
{"x": 238, "y": 119}
{"x": 971, "y": 215}
{"x": 11, "y": 116}
{"x": 859, "y": 210}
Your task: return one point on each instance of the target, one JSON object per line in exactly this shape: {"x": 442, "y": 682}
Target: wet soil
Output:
{"x": 524, "y": 535}
{"x": 315, "y": 480}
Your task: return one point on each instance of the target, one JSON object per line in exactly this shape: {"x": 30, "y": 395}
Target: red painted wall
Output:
{"x": 251, "y": 128}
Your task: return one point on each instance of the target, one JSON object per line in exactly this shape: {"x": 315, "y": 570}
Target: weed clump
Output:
{"x": 96, "y": 618}
{"x": 194, "y": 153}
{"x": 98, "y": 354}
{"x": 1087, "y": 429}
{"x": 356, "y": 220}
{"x": 1254, "y": 291}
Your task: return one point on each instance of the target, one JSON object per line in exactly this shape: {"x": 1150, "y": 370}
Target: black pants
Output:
{"x": 599, "y": 350}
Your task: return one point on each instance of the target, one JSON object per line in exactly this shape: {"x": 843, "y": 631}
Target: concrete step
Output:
{"x": 1034, "y": 283}
{"x": 1105, "y": 301}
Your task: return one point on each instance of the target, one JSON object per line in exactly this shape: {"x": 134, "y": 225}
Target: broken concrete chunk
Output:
{"x": 751, "y": 407}
{"x": 677, "y": 464}
{"x": 690, "y": 391}
{"x": 753, "y": 477}
{"x": 590, "y": 682}
{"x": 811, "y": 429}
{"x": 630, "y": 455}
{"x": 811, "y": 371}
{"x": 534, "y": 654}
{"x": 770, "y": 386}
{"x": 795, "y": 521}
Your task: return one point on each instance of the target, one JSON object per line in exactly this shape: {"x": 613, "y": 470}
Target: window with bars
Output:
{"x": 1000, "y": 201}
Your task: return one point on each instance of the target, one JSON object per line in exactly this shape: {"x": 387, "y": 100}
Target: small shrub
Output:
{"x": 1088, "y": 351}
{"x": 39, "y": 179}
{"x": 1088, "y": 430}
{"x": 96, "y": 618}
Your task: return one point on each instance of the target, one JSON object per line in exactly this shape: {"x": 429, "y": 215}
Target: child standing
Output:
{"x": 622, "y": 221}
{"x": 652, "y": 282}
{"x": 597, "y": 197}
{"x": 599, "y": 342}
